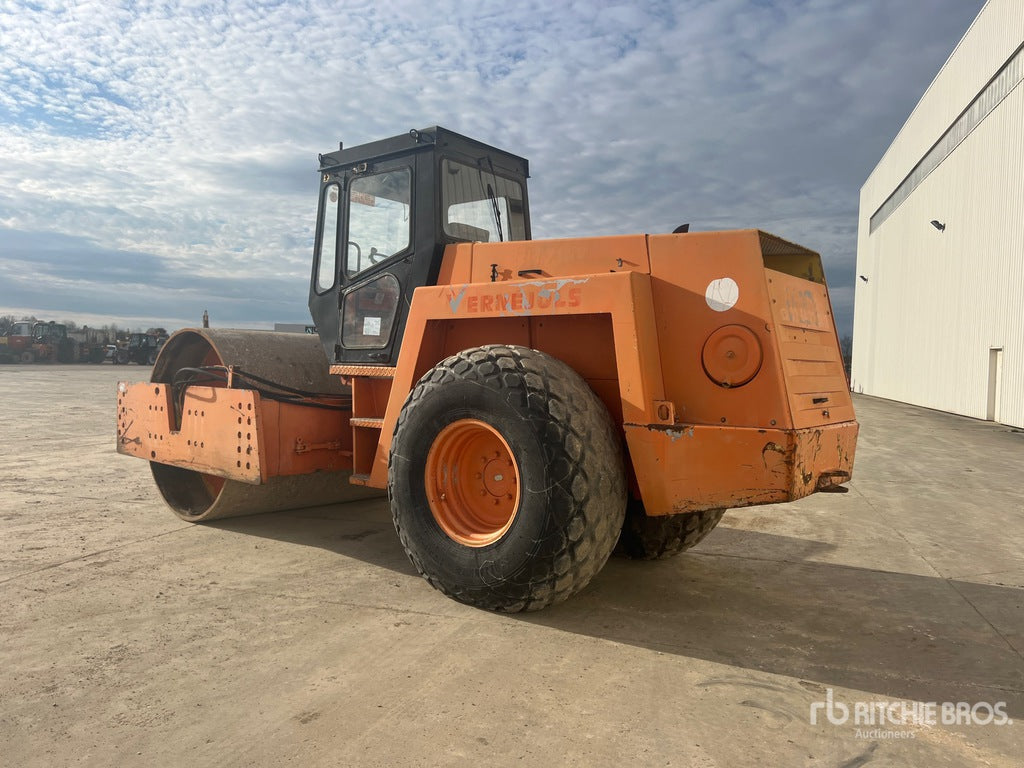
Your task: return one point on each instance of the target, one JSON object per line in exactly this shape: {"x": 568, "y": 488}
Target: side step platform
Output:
{"x": 371, "y": 389}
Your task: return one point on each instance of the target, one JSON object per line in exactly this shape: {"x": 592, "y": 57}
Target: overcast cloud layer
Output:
{"x": 159, "y": 158}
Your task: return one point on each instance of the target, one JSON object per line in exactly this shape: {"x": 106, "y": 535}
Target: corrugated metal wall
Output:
{"x": 935, "y": 303}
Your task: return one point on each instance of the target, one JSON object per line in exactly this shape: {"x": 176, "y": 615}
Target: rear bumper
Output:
{"x": 683, "y": 468}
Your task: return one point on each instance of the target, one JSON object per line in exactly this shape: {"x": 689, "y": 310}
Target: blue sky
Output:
{"x": 159, "y": 158}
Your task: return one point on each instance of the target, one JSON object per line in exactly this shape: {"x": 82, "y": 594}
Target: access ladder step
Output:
{"x": 366, "y": 423}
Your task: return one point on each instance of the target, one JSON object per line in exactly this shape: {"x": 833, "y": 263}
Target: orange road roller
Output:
{"x": 528, "y": 405}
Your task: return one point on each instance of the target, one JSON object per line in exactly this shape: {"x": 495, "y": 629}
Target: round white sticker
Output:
{"x": 722, "y": 294}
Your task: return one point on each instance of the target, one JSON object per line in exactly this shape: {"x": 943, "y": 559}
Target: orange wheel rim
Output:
{"x": 472, "y": 483}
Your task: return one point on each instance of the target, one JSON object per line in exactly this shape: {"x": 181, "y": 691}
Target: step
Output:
{"x": 366, "y": 423}
{"x": 368, "y": 371}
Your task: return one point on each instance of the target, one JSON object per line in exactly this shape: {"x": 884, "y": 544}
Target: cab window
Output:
{"x": 328, "y": 264}
{"x": 479, "y": 205}
{"x": 378, "y": 219}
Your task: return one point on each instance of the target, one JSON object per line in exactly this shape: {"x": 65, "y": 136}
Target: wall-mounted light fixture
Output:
{"x": 863, "y": 278}
{"x": 938, "y": 225}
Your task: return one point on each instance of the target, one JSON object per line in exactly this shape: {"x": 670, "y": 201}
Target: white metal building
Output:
{"x": 939, "y": 313}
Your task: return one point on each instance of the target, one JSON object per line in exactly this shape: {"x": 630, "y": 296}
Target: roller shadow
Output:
{"x": 892, "y": 634}
{"x": 362, "y": 530}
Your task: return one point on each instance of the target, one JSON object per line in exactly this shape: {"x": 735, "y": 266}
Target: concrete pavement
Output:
{"x": 305, "y": 638}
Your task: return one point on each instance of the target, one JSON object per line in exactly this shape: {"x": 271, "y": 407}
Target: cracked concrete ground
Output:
{"x": 305, "y": 638}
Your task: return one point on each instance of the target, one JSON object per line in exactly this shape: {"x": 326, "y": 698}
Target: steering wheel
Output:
{"x": 376, "y": 257}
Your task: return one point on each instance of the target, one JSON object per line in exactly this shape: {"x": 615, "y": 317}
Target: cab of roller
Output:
{"x": 387, "y": 211}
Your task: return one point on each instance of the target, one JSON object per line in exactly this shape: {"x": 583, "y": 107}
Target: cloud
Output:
{"x": 44, "y": 273}
{"x": 163, "y": 155}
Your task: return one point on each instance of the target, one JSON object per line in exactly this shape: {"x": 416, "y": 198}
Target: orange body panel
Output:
{"x": 554, "y": 258}
{"x": 789, "y": 317}
{"x": 807, "y": 344}
{"x": 484, "y": 313}
{"x": 693, "y": 468}
{"x": 639, "y": 319}
{"x": 231, "y": 433}
{"x": 682, "y": 268}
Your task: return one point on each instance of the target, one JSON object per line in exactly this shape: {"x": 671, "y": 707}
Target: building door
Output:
{"x": 995, "y": 373}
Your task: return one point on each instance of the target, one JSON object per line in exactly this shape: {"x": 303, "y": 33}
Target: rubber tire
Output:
{"x": 656, "y": 537}
{"x": 572, "y": 481}
{"x": 151, "y": 360}
{"x": 28, "y": 356}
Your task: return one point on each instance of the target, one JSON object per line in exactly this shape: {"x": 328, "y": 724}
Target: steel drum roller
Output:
{"x": 290, "y": 359}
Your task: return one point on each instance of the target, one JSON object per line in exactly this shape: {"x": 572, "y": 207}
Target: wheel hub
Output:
{"x": 498, "y": 477}
{"x": 472, "y": 482}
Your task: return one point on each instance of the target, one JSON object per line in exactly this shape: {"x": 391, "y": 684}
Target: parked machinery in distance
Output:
{"x": 16, "y": 342}
{"x": 35, "y": 341}
{"x": 49, "y": 344}
{"x": 90, "y": 344}
{"x": 142, "y": 348}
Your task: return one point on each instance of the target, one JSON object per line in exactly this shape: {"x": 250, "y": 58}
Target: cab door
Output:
{"x": 375, "y": 243}
{"x": 377, "y": 250}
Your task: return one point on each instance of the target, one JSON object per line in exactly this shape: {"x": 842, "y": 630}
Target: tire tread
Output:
{"x": 656, "y": 537}
{"x": 586, "y": 492}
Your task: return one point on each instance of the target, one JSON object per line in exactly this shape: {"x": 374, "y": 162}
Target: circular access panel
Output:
{"x": 732, "y": 356}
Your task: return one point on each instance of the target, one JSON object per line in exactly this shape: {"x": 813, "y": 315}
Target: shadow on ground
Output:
{"x": 891, "y": 634}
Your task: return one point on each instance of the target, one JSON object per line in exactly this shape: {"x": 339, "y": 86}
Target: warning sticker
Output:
{"x": 722, "y": 294}
{"x": 371, "y": 326}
